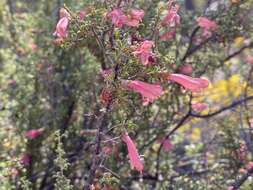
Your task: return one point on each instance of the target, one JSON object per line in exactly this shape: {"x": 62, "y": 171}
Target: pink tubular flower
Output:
{"x": 118, "y": 18}
{"x": 149, "y": 92}
{"x": 134, "y": 17}
{"x": 25, "y": 159}
{"x": 61, "y": 27}
{"x": 33, "y": 133}
{"x": 205, "y": 23}
{"x": 167, "y": 146}
{"x": 172, "y": 18}
{"x": 132, "y": 153}
{"x": 185, "y": 69}
{"x": 144, "y": 52}
{"x": 198, "y": 107}
{"x": 193, "y": 84}
{"x": 190, "y": 83}
{"x": 168, "y": 35}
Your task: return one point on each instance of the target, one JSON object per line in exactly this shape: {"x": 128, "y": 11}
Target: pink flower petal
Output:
{"x": 133, "y": 153}
{"x": 205, "y": 23}
{"x": 118, "y": 18}
{"x": 172, "y": 18}
{"x": 33, "y": 133}
{"x": 149, "y": 92}
{"x": 144, "y": 51}
{"x": 168, "y": 35}
{"x": 190, "y": 83}
{"x": 61, "y": 27}
{"x": 134, "y": 17}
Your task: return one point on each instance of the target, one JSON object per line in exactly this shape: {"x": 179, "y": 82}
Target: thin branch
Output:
{"x": 234, "y": 104}
{"x": 187, "y": 53}
{"x": 95, "y": 157}
{"x": 239, "y": 182}
{"x": 237, "y": 52}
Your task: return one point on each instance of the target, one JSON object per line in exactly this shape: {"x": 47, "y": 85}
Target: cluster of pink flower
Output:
{"x": 143, "y": 50}
{"x": 62, "y": 25}
{"x": 172, "y": 19}
{"x": 207, "y": 26}
{"x": 149, "y": 92}
{"x": 132, "y": 19}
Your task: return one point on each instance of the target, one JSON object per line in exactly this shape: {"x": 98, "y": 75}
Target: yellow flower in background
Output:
{"x": 238, "y": 41}
{"x": 195, "y": 134}
{"x": 223, "y": 92}
{"x": 184, "y": 128}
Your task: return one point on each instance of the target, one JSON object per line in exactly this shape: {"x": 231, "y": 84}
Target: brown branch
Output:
{"x": 103, "y": 119}
{"x": 187, "y": 53}
{"x": 239, "y": 182}
{"x": 234, "y": 104}
{"x": 237, "y": 52}
{"x": 95, "y": 157}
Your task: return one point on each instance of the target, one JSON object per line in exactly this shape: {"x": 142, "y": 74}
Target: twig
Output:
{"x": 237, "y": 52}
{"x": 239, "y": 182}
{"x": 234, "y": 104}
{"x": 190, "y": 43}
{"x": 95, "y": 157}
{"x": 113, "y": 173}
{"x": 181, "y": 122}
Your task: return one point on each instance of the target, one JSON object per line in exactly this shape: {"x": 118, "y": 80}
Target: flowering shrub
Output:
{"x": 126, "y": 94}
